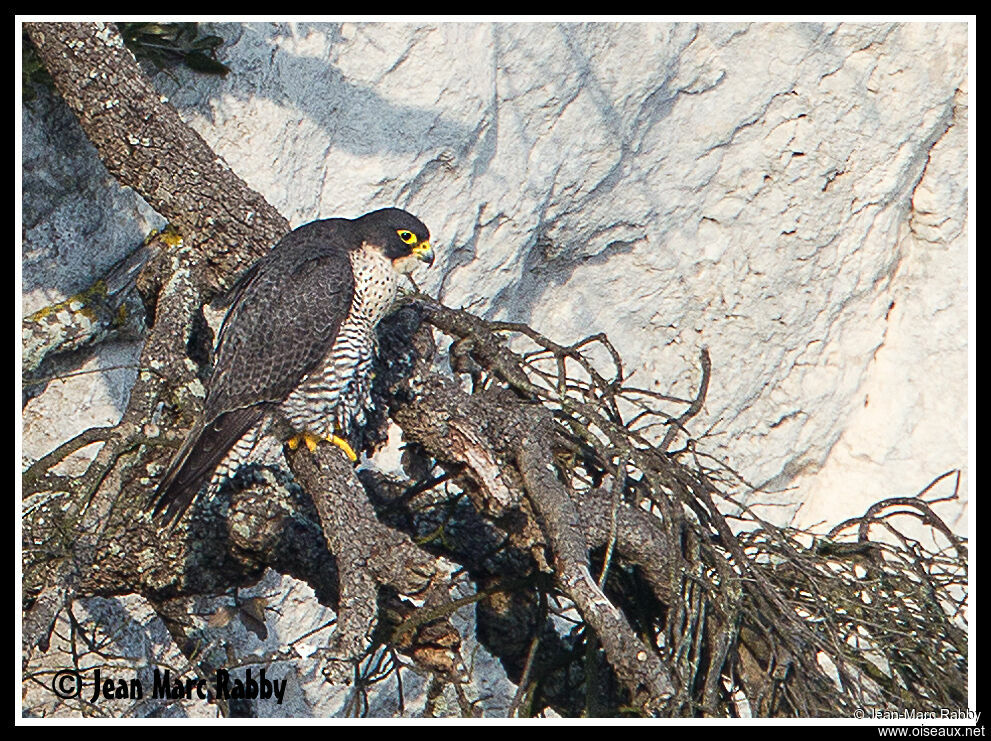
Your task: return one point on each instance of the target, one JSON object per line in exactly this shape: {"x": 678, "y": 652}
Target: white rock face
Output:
{"x": 791, "y": 196}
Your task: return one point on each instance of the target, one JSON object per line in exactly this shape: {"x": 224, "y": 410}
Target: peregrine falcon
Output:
{"x": 297, "y": 345}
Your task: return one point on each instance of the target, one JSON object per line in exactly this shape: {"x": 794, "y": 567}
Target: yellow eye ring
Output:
{"x": 407, "y": 236}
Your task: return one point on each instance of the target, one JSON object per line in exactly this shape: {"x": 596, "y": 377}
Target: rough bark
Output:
{"x": 146, "y": 146}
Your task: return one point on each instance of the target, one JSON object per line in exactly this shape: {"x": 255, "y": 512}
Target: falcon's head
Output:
{"x": 399, "y": 235}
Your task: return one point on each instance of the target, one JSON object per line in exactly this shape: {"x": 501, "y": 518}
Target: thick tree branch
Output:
{"x": 368, "y": 553}
{"x": 146, "y": 146}
{"x": 637, "y": 665}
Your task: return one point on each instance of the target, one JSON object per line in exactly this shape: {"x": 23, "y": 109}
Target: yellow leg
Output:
{"x": 311, "y": 444}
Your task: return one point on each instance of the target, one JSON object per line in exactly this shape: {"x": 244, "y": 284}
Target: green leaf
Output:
{"x": 207, "y": 42}
{"x": 201, "y": 62}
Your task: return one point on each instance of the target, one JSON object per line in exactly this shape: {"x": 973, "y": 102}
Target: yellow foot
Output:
{"x": 311, "y": 444}
{"x": 310, "y": 440}
{"x": 341, "y": 443}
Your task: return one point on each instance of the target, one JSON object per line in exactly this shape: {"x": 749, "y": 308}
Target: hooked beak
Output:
{"x": 423, "y": 251}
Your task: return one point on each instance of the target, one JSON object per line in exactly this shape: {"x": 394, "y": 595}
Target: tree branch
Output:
{"x": 146, "y": 146}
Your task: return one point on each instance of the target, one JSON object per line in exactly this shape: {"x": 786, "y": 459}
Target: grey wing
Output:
{"x": 284, "y": 323}
{"x": 285, "y": 319}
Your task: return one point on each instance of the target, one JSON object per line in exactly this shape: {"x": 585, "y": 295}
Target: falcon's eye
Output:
{"x": 407, "y": 236}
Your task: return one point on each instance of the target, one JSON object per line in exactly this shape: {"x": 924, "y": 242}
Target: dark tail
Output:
{"x": 199, "y": 456}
